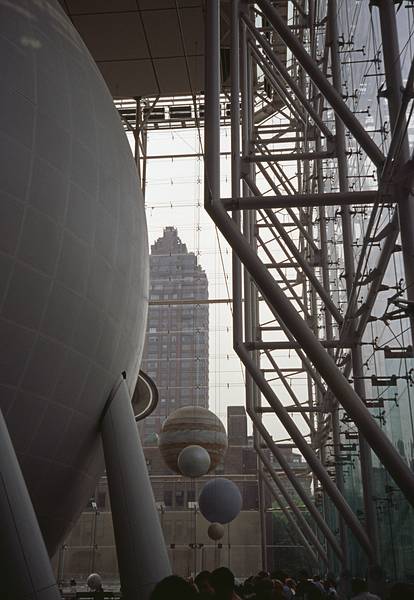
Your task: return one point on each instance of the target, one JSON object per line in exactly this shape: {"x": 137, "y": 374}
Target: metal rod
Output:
{"x": 290, "y": 244}
{"x": 307, "y": 452}
{"x": 301, "y": 521}
{"x": 292, "y": 523}
{"x": 287, "y": 345}
{"x": 284, "y": 73}
{"x": 304, "y": 525}
{"x": 347, "y": 236}
{"x": 300, "y": 200}
{"x": 393, "y": 79}
{"x": 312, "y": 69}
{"x": 290, "y": 156}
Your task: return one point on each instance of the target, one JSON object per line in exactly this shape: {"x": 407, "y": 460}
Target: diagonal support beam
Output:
{"x": 302, "y": 524}
{"x": 293, "y": 524}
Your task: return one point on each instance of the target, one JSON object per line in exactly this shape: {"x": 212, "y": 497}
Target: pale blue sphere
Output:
{"x": 220, "y": 501}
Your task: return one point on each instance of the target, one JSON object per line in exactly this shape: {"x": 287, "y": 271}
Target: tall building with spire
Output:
{"x": 176, "y": 348}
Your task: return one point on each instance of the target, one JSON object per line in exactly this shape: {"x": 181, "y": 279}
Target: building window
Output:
{"x": 179, "y": 498}
{"x": 168, "y": 497}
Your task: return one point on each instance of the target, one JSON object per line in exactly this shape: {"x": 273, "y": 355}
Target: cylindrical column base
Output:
{"x": 142, "y": 555}
{"x": 24, "y": 563}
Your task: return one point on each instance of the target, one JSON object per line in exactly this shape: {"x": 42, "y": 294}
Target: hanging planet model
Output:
{"x": 192, "y": 425}
{"x": 220, "y": 501}
{"x": 194, "y": 461}
{"x": 94, "y": 581}
{"x": 215, "y": 531}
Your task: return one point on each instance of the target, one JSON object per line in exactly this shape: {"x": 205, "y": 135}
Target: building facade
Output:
{"x": 176, "y": 348}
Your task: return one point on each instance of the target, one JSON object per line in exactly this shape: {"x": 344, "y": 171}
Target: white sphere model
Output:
{"x": 94, "y": 581}
{"x": 215, "y": 531}
{"x": 194, "y": 461}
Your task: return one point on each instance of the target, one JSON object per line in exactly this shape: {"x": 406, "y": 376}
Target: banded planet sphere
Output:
{"x": 192, "y": 425}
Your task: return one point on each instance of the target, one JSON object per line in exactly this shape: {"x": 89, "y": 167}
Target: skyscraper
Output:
{"x": 176, "y": 348}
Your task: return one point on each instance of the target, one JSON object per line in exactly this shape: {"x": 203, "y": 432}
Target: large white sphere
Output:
{"x": 194, "y": 461}
{"x": 94, "y": 581}
{"x": 215, "y": 531}
{"x": 220, "y": 500}
{"x": 73, "y": 258}
{"x": 192, "y": 425}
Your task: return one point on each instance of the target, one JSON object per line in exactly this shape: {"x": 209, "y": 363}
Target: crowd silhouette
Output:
{"x": 220, "y": 584}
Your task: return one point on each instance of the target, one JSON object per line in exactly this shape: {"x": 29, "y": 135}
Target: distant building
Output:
{"x": 176, "y": 349}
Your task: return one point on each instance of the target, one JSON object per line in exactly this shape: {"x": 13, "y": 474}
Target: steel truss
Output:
{"x": 276, "y": 222}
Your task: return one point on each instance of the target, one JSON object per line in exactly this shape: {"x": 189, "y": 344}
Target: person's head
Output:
{"x": 359, "y": 586}
{"x": 316, "y": 578}
{"x": 303, "y": 575}
{"x": 329, "y": 583}
{"x": 402, "y": 591}
{"x": 222, "y": 580}
{"x": 290, "y": 583}
{"x": 278, "y": 589}
{"x": 203, "y": 582}
{"x": 262, "y": 574}
{"x": 263, "y": 587}
{"x": 279, "y": 575}
{"x": 172, "y": 587}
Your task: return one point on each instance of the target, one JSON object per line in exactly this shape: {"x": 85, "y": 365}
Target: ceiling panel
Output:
{"x": 162, "y": 28}
{"x": 117, "y": 36}
{"x": 129, "y": 39}
{"x": 127, "y": 79}
{"x": 98, "y": 6}
{"x": 172, "y": 74}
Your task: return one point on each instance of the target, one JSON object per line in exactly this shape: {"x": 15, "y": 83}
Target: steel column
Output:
{"x": 142, "y": 555}
{"x": 25, "y": 567}
{"x": 394, "y": 91}
{"x": 356, "y": 353}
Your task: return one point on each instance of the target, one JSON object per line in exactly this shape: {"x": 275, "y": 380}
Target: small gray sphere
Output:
{"x": 94, "y": 581}
{"x": 215, "y": 531}
{"x": 220, "y": 501}
{"x": 194, "y": 461}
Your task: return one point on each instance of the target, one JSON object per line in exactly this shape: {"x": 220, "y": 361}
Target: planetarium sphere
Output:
{"x": 220, "y": 501}
{"x": 192, "y": 425}
{"x": 73, "y": 258}
{"x": 94, "y": 581}
{"x": 215, "y": 531}
{"x": 193, "y": 461}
